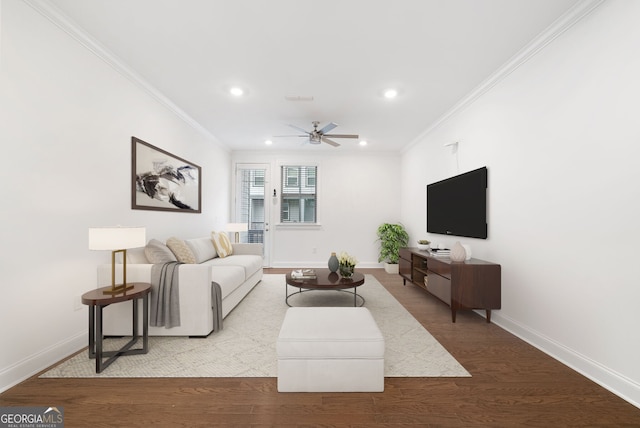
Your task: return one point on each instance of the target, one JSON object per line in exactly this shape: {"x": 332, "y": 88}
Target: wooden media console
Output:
{"x": 472, "y": 284}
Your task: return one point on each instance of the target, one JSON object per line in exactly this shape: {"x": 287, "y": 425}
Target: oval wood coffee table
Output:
{"x": 326, "y": 280}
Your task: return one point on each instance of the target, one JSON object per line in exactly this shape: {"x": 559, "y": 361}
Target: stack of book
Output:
{"x": 441, "y": 252}
{"x": 303, "y": 274}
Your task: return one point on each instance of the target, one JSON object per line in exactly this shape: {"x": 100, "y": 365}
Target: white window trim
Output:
{"x": 299, "y": 226}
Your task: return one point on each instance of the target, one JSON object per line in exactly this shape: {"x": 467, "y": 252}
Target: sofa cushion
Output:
{"x": 202, "y": 249}
{"x": 228, "y": 277}
{"x": 181, "y": 250}
{"x": 222, "y": 244}
{"x": 157, "y": 252}
{"x": 249, "y": 263}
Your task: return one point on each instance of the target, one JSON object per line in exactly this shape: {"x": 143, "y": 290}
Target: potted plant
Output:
{"x": 391, "y": 237}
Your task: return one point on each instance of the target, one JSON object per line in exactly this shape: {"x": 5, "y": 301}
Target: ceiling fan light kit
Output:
{"x": 317, "y": 136}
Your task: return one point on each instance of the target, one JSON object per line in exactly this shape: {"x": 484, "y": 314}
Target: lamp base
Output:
{"x": 117, "y": 289}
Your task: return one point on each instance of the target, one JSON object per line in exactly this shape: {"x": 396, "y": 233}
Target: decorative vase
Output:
{"x": 467, "y": 249}
{"x": 458, "y": 253}
{"x": 333, "y": 262}
{"x": 346, "y": 271}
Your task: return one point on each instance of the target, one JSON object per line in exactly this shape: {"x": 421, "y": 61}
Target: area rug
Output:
{"x": 245, "y": 347}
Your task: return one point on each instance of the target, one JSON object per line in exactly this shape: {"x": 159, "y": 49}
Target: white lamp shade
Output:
{"x": 237, "y": 227}
{"x": 116, "y": 238}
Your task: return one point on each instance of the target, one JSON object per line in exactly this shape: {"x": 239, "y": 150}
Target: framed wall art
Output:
{"x": 163, "y": 182}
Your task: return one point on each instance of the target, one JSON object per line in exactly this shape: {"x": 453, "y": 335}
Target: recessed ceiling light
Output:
{"x": 363, "y": 143}
{"x": 268, "y": 142}
{"x": 236, "y": 91}
{"x": 390, "y": 93}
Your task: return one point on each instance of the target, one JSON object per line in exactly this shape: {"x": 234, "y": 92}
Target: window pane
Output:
{"x": 258, "y": 178}
{"x": 250, "y": 204}
{"x": 298, "y": 194}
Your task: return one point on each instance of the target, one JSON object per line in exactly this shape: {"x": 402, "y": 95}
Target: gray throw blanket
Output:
{"x": 216, "y": 306}
{"x": 165, "y": 302}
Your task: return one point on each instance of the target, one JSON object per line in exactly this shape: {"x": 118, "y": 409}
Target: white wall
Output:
{"x": 357, "y": 191}
{"x": 66, "y": 121}
{"x": 560, "y": 138}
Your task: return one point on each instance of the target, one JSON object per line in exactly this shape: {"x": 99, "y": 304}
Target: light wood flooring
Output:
{"x": 513, "y": 384}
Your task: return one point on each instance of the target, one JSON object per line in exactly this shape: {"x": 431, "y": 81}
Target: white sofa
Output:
{"x": 236, "y": 274}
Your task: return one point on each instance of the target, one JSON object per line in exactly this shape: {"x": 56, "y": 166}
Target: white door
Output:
{"x": 251, "y": 205}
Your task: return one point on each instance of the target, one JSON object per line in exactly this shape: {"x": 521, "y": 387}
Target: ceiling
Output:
{"x": 341, "y": 53}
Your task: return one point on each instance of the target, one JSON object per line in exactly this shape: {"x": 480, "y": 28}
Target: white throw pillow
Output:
{"x": 157, "y": 252}
{"x": 181, "y": 250}
{"x": 222, "y": 244}
{"x": 202, "y": 249}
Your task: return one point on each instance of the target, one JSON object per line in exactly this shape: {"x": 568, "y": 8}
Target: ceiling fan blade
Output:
{"x": 284, "y": 136}
{"x": 327, "y": 128}
{"x": 299, "y": 129}
{"x": 328, "y": 141}
{"x": 342, "y": 135}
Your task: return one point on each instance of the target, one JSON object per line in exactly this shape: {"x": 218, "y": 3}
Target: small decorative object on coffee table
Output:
{"x": 303, "y": 274}
{"x": 346, "y": 265}
{"x": 333, "y": 262}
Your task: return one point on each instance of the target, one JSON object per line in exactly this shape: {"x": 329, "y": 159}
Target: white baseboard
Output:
{"x": 618, "y": 384}
{"x": 35, "y": 363}
{"x": 318, "y": 265}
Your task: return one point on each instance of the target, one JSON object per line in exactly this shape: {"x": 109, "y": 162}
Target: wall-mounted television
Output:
{"x": 458, "y": 205}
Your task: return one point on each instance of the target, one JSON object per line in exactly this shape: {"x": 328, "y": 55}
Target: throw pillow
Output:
{"x": 222, "y": 244}
{"x": 202, "y": 249}
{"x": 181, "y": 250}
{"x": 157, "y": 252}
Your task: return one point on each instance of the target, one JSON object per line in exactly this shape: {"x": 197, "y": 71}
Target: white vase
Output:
{"x": 467, "y": 249}
{"x": 458, "y": 253}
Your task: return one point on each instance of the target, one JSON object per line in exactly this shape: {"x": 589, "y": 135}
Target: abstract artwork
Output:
{"x": 163, "y": 182}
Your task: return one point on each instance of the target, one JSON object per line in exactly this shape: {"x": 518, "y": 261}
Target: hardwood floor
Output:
{"x": 513, "y": 384}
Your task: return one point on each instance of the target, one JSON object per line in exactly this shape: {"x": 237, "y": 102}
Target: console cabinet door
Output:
{"x": 439, "y": 286}
{"x": 477, "y": 288}
{"x": 404, "y": 267}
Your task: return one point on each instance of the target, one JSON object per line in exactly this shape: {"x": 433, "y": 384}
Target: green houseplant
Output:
{"x": 391, "y": 237}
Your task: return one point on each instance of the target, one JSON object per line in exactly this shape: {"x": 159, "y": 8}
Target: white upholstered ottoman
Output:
{"x": 322, "y": 349}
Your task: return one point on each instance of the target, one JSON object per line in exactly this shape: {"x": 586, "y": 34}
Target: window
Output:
{"x": 298, "y": 194}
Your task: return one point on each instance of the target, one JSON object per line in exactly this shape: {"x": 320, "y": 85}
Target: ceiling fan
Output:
{"x": 316, "y": 136}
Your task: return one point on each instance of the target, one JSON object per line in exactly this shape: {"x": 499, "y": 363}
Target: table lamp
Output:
{"x": 237, "y": 228}
{"x": 117, "y": 239}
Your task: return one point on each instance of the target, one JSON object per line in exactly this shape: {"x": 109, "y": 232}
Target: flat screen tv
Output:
{"x": 458, "y": 205}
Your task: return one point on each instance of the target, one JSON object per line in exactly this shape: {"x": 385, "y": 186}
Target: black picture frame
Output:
{"x": 161, "y": 181}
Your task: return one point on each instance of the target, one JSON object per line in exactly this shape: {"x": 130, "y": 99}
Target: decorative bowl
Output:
{"x": 423, "y": 247}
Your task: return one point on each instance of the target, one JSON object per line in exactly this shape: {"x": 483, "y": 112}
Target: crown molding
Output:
{"x": 57, "y": 17}
{"x": 555, "y": 30}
